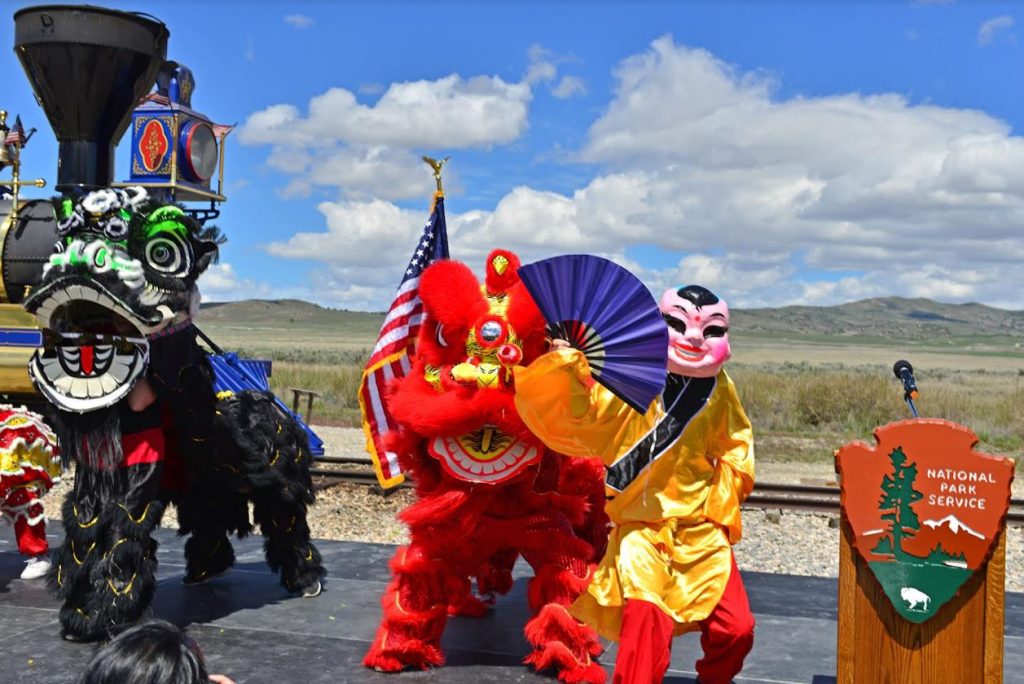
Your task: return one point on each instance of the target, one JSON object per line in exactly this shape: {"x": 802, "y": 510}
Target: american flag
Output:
{"x": 221, "y": 131}
{"x": 390, "y": 356}
{"x": 16, "y": 135}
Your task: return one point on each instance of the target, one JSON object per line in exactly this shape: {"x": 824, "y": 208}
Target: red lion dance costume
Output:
{"x": 488, "y": 490}
{"x": 29, "y": 467}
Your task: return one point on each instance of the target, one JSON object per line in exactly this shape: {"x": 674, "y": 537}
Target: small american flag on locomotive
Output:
{"x": 397, "y": 338}
{"x": 16, "y": 135}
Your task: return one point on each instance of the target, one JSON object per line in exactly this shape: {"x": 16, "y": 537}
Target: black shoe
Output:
{"x": 191, "y": 580}
{"x": 77, "y": 638}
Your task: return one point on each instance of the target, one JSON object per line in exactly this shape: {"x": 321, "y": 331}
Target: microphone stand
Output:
{"x": 910, "y": 402}
{"x": 904, "y": 372}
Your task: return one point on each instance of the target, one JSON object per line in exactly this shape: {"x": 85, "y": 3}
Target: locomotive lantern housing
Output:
{"x": 176, "y": 150}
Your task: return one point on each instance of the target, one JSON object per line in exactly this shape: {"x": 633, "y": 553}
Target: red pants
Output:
{"x": 19, "y": 505}
{"x": 726, "y": 637}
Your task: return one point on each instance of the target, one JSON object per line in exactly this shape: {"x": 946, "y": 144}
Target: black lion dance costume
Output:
{"x": 137, "y": 414}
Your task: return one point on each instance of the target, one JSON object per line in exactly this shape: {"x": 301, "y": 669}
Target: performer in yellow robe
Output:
{"x": 676, "y": 477}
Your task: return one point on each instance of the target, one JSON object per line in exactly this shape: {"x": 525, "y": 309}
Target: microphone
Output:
{"x": 905, "y": 372}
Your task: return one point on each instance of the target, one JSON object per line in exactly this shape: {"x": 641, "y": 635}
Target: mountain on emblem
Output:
{"x": 924, "y": 509}
{"x": 954, "y": 525}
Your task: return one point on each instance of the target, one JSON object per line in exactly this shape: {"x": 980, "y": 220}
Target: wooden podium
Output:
{"x": 953, "y": 555}
{"x": 964, "y": 643}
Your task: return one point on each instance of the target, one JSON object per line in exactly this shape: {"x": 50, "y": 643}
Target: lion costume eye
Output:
{"x": 116, "y": 227}
{"x": 439, "y": 336}
{"x": 168, "y": 250}
{"x": 168, "y": 253}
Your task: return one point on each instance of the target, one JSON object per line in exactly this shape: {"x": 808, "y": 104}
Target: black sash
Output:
{"x": 683, "y": 398}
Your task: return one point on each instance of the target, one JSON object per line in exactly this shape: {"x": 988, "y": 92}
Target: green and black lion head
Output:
{"x": 124, "y": 269}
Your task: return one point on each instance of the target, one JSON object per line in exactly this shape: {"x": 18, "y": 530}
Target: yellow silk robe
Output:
{"x": 675, "y": 522}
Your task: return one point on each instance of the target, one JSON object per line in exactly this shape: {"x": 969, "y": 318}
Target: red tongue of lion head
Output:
{"x": 473, "y": 335}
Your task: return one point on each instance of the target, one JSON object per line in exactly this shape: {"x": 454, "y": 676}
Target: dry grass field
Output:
{"x": 805, "y": 394}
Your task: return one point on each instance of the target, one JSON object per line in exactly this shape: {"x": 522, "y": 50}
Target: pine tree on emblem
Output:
{"x": 896, "y": 502}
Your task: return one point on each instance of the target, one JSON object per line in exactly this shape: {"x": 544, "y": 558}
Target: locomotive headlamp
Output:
{"x": 198, "y": 151}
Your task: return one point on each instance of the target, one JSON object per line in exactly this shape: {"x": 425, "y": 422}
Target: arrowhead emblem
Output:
{"x": 925, "y": 509}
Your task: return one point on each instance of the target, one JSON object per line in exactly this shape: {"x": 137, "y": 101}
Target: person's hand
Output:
{"x": 221, "y": 679}
{"x": 141, "y": 396}
{"x": 560, "y": 344}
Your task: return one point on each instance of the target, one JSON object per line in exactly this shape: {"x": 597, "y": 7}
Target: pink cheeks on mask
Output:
{"x": 698, "y": 333}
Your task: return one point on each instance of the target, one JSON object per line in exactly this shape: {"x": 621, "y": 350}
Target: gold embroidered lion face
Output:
{"x": 472, "y": 338}
{"x": 29, "y": 456}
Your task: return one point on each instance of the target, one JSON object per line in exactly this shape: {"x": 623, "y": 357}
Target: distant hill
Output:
{"x": 891, "y": 318}
{"x": 263, "y": 311}
{"x": 263, "y": 314}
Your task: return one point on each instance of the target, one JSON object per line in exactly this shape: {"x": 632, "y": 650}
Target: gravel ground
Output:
{"x": 797, "y": 543}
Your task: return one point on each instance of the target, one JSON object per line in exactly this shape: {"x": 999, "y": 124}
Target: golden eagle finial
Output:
{"x": 436, "y": 165}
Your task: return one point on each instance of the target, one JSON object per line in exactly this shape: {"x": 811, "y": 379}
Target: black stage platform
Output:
{"x": 251, "y": 629}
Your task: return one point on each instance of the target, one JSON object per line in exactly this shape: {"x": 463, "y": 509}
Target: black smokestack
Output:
{"x": 89, "y": 67}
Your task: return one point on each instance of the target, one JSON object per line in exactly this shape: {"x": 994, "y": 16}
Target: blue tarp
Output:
{"x": 234, "y": 374}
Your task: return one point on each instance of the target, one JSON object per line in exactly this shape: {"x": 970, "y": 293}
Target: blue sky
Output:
{"x": 777, "y": 152}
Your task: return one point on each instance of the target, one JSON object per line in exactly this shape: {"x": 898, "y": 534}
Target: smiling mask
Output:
{"x": 698, "y": 331}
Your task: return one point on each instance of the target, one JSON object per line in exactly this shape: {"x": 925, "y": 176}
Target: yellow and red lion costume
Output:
{"x": 488, "y": 491}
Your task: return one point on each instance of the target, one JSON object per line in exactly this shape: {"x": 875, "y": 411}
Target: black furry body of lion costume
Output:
{"x": 135, "y": 410}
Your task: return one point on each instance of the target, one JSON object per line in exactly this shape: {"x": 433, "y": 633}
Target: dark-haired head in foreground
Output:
{"x": 155, "y": 652}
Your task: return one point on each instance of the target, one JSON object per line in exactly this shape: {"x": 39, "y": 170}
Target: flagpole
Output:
{"x": 391, "y": 358}
{"x": 13, "y": 158}
{"x": 436, "y": 165}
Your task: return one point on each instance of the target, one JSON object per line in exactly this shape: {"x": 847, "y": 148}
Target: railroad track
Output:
{"x": 766, "y": 495}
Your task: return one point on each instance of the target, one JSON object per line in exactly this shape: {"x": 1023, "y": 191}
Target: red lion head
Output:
{"x": 458, "y": 395}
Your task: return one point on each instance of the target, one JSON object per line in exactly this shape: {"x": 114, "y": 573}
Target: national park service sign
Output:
{"x": 925, "y": 509}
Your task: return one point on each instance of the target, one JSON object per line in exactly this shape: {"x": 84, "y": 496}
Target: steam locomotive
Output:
{"x": 93, "y": 70}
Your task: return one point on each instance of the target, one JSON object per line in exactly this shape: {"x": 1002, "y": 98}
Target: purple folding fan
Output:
{"x": 604, "y": 311}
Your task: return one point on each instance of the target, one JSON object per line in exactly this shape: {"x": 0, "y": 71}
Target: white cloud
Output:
{"x": 368, "y": 172}
{"x": 450, "y": 112}
{"x": 768, "y": 200}
{"x": 366, "y": 150}
{"x": 359, "y": 172}
{"x": 250, "y": 48}
{"x": 543, "y": 68}
{"x": 237, "y": 184}
{"x": 371, "y": 149}
{"x": 542, "y": 65}
{"x": 569, "y": 86}
{"x": 220, "y": 283}
{"x": 851, "y": 180}
{"x": 989, "y": 29}
{"x": 363, "y": 252}
{"x": 357, "y": 233}
{"x": 293, "y": 160}
{"x": 300, "y": 21}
